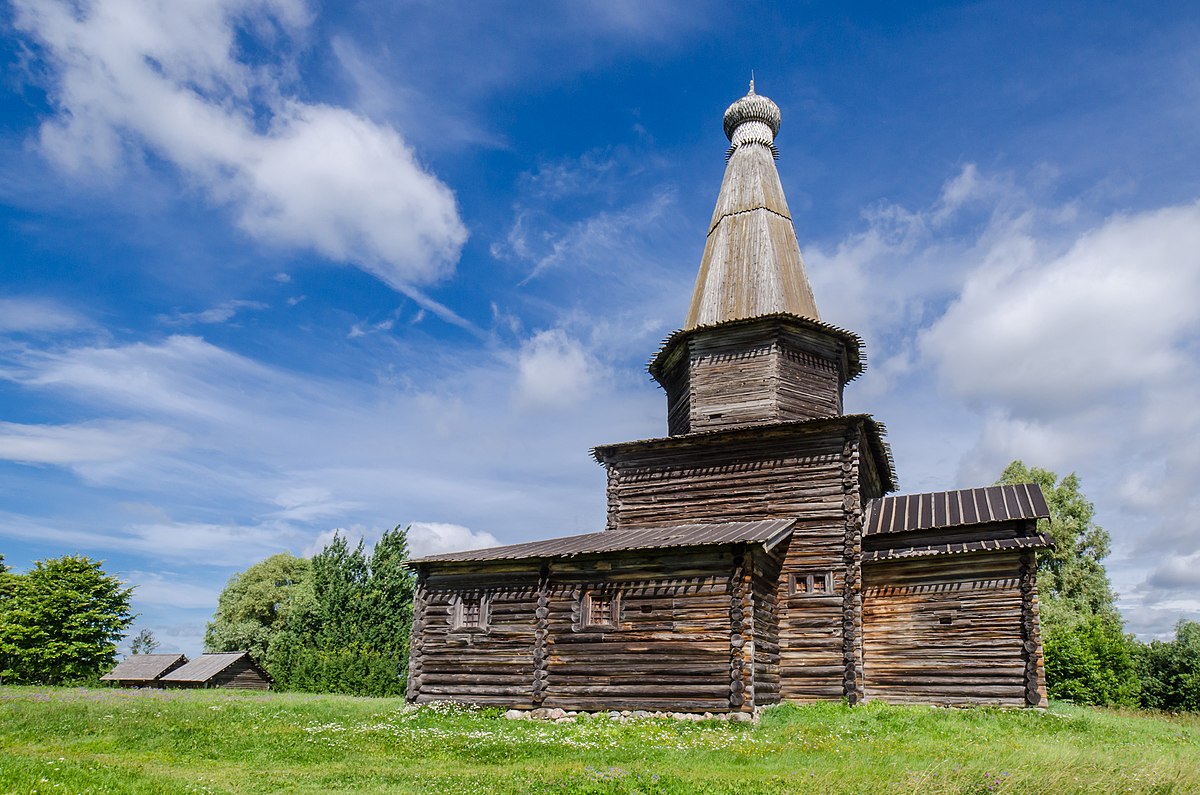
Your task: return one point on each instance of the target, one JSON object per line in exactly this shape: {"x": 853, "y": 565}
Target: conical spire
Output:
{"x": 751, "y": 264}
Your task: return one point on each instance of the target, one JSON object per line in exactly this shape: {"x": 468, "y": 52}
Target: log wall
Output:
{"x": 692, "y": 630}
{"x": 492, "y": 665}
{"x": 752, "y": 374}
{"x": 946, "y": 629}
{"x": 242, "y": 675}
{"x": 754, "y": 474}
{"x": 670, "y": 648}
{"x": 810, "y": 374}
{"x": 765, "y": 596}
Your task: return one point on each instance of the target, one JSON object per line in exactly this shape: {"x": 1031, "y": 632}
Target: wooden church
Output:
{"x": 750, "y": 556}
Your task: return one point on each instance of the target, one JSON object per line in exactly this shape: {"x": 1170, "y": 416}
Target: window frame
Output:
{"x": 458, "y": 612}
{"x": 803, "y": 584}
{"x": 587, "y": 608}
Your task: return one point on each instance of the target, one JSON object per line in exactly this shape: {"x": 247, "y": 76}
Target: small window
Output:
{"x": 470, "y": 612}
{"x": 600, "y": 609}
{"x": 813, "y": 583}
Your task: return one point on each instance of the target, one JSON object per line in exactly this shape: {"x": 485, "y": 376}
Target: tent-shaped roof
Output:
{"x": 144, "y": 667}
{"x": 751, "y": 264}
{"x": 206, "y": 666}
{"x": 768, "y": 532}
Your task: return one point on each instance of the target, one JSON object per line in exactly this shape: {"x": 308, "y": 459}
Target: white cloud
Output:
{"x": 436, "y": 538}
{"x": 220, "y": 313}
{"x": 1115, "y": 312}
{"x": 1001, "y": 326}
{"x": 554, "y": 371}
{"x": 32, "y": 315}
{"x": 165, "y": 78}
{"x": 83, "y": 443}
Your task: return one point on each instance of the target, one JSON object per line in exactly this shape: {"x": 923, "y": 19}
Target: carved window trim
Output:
{"x": 810, "y": 583}
{"x": 600, "y": 609}
{"x": 470, "y": 612}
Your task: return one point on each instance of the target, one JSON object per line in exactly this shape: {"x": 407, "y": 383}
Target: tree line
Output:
{"x": 336, "y": 623}
{"x": 340, "y": 621}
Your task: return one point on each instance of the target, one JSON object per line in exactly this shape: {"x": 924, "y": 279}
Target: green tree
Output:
{"x": 143, "y": 642}
{"x": 1072, "y": 573}
{"x": 1170, "y": 670}
{"x": 61, "y": 622}
{"x": 349, "y": 629}
{"x": 255, "y": 603}
{"x": 1089, "y": 658}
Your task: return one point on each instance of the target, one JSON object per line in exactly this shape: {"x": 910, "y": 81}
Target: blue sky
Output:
{"x": 271, "y": 268}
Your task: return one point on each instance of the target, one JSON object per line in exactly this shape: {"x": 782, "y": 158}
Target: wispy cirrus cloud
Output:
{"x": 24, "y": 315}
{"x": 221, "y": 313}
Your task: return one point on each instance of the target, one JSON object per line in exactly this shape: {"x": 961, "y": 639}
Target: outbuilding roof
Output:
{"x": 143, "y": 667}
{"x": 768, "y": 532}
{"x": 900, "y": 513}
{"x": 206, "y": 666}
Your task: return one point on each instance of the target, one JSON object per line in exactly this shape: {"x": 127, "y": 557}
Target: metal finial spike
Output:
{"x": 751, "y": 81}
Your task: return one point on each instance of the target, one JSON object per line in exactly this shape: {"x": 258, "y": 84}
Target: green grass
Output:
{"x": 120, "y": 741}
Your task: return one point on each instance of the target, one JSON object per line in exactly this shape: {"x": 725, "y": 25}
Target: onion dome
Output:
{"x": 752, "y": 119}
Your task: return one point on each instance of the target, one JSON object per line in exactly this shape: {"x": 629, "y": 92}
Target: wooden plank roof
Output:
{"x": 768, "y": 532}
{"x": 900, "y": 513}
{"x": 206, "y": 666}
{"x": 751, "y": 264}
{"x": 143, "y": 667}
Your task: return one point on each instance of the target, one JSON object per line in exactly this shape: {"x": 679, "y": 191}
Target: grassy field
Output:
{"x": 77, "y": 740}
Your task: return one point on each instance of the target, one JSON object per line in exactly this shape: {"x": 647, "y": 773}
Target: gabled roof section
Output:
{"x": 206, "y": 666}
{"x": 751, "y": 264}
{"x": 767, "y": 532}
{"x": 143, "y": 667}
{"x": 902, "y": 513}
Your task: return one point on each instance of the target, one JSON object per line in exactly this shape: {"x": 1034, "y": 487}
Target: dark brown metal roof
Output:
{"x": 904, "y": 512}
{"x": 876, "y": 432}
{"x": 143, "y": 667}
{"x": 768, "y": 532}
{"x": 982, "y": 545}
{"x": 206, "y": 666}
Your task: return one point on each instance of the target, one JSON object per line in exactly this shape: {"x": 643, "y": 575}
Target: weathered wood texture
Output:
{"x": 946, "y": 630}
{"x": 492, "y": 664}
{"x": 685, "y": 633}
{"x": 768, "y": 371}
{"x": 1035, "y": 667}
{"x": 946, "y": 535}
{"x": 751, "y": 263}
{"x": 764, "y": 608}
{"x": 242, "y": 675}
{"x": 753, "y": 473}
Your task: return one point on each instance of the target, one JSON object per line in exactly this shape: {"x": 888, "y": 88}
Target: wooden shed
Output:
{"x": 753, "y": 554}
{"x": 144, "y": 670}
{"x": 235, "y": 669}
